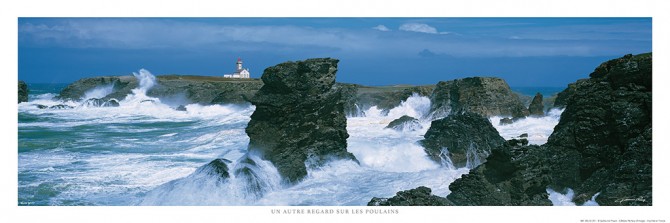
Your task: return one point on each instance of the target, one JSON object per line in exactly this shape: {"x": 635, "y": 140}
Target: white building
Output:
{"x": 240, "y": 72}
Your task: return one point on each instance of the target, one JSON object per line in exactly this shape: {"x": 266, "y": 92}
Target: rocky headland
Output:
{"x": 195, "y": 89}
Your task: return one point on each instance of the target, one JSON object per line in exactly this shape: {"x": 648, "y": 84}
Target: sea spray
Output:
{"x": 249, "y": 179}
{"x": 565, "y": 199}
{"x": 538, "y": 128}
{"x": 146, "y": 79}
{"x": 99, "y": 91}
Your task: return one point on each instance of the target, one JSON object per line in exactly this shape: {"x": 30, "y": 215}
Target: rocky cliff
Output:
{"x": 488, "y": 96}
{"x": 603, "y": 140}
{"x": 601, "y": 146}
{"x": 23, "y": 92}
{"x": 466, "y": 138}
{"x": 196, "y": 89}
{"x": 299, "y": 118}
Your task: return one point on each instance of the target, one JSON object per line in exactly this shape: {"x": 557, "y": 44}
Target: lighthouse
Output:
{"x": 240, "y": 72}
{"x": 239, "y": 65}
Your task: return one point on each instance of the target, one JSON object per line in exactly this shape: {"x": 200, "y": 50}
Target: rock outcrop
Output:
{"x": 513, "y": 175}
{"x": 466, "y": 139}
{"x": 488, "y": 96}
{"x": 603, "y": 140}
{"x": 404, "y": 123}
{"x": 218, "y": 167}
{"x": 23, "y": 92}
{"x": 536, "y": 107}
{"x": 299, "y": 118}
{"x": 562, "y": 97}
{"x": 196, "y": 89}
{"x": 420, "y": 196}
{"x": 602, "y": 144}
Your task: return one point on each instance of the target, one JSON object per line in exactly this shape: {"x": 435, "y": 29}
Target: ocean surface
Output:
{"x": 145, "y": 152}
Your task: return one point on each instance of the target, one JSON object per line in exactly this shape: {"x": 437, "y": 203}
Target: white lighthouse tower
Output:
{"x": 240, "y": 72}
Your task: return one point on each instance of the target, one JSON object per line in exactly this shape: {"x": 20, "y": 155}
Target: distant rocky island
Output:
{"x": 600, "y": 148}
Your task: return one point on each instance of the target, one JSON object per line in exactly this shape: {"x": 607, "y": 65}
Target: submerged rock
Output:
{"x": 420, "y": 196}
{"x": 181, "y": 108}
{"x": 299, "y": 117}
{"x": 487, "y": 96}
{"x": 404, "y": 123}
{"x": 536, "y": 107}
{"x": 96, "y": 102}
{"x": 218, "y": 167}
{"x": 512, "y": 175}
{"x": 506, "y": 121}
{"x": 468, "y": 138}
{"x": 61, "y": 106}
{"x": 23, "y": 92}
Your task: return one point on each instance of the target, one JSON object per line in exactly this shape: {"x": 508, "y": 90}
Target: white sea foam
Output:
{"x": 560, "y": 199}
{"x": 538, "y": 128}
{"x": 99, "y": 91}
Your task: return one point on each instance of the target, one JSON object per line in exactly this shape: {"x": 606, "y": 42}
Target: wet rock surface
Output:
{"x": 299, "y": 118}
{"x": 468, "y": 138}
{"x": 487, "y": 96}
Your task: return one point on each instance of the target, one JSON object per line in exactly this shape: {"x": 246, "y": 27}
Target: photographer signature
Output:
{"x": 621, "y": 200}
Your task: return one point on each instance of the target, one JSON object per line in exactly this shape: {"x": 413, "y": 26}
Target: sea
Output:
{"x": 145, "y": 152}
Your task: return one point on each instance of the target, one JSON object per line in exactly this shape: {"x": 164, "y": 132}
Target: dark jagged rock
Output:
{"x": 23, "y": 92}
{"x": 488, "y": 96}
{"x": 506, "y": 121}
{"x": 603, "y": 140}
{"x": 96, "y": 102}
{"x": 196, "y": 89}
{"x": 602, "y": 144}
{"x": 217, "y": 167}
{"x": 536, "y": 107}
{"x": 420, "y": 196}
{"x": 512, "y": 175}
{"x": 562, "y": 97}
{"x": 61, "y": 106}
{"x": 349, "y": 94}
{"x": 524, "y": 135}
{"x": 181, "y": 108}
{"x": 468, "y": 137}
{"x": 41, "y": 106}
{"x": 299, "y": 116}
{"x": 111, "y": 103}
{"x": 404, "y": 123}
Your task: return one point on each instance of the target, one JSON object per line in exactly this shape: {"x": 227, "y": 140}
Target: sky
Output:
{"x": 526, "y": 52}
